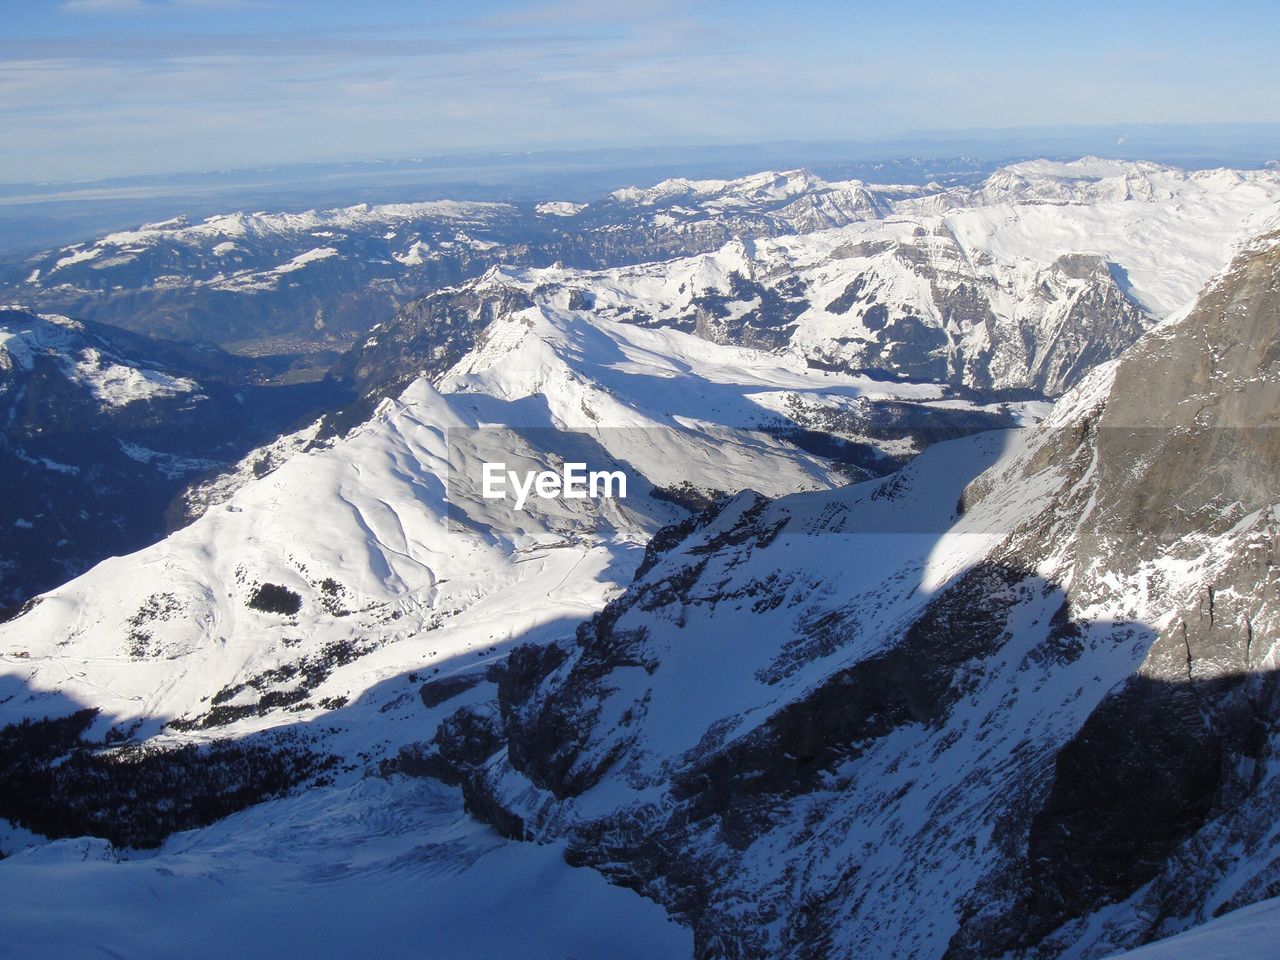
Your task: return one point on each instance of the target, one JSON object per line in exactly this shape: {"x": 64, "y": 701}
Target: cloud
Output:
{"x": 559, "y": 12}
{"x": 151, "y": 6}
{"x": 106, "y": 6}
{"x": 223, "y": 4}
{"x": 197, "y": 89}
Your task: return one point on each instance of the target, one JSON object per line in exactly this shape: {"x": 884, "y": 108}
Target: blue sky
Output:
{"x": 95, "y": 88}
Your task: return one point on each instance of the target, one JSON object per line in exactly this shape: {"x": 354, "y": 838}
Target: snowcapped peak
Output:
{"x": 767, "y": 185}
{"x": 179, "y": 231}
{"x": 25, "y": 335}
{"x": 111, "y": 380}
{"x": 676, "y": 186}
{"x": 1093, "y": 181}
{"x": 146, "y": 231}
{"x": 559, "y": 208}
{"x": 1085, "y": 168}
{"x": 778, "y": 185}
{"x": 769, "y": 202}
{"x": 495, "y": 277}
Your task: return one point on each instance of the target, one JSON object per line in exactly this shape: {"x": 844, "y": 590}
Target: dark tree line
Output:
{"x": 54, "y": 783}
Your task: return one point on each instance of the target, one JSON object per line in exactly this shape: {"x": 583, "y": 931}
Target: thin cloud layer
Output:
{"x": 116, "y": 87}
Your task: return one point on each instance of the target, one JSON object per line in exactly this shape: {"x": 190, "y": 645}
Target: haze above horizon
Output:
{"x": 112, "y": 88}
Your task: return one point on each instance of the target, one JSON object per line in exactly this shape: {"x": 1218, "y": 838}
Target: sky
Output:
{"x": 108, "y": 88}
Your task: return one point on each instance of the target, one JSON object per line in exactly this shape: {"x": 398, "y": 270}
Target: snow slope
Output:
{"x": 1246, "y": 934}
{"x": 378, "y": 867}
{"x": 227, "y": 229}
{"x": 109, "y": 379}
{"x": 366, "y": 520}
{"x": 237, "y": 276}
{"x": 100, "y": 429}
{"x": 395, "y": 589}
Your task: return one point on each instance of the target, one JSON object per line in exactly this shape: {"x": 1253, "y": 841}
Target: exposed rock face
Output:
{"x": 430, "y": 335}
{"x": 914, "y": 308}
{"x": 1044, "y": 726}
{"x": 1069, "y": 317}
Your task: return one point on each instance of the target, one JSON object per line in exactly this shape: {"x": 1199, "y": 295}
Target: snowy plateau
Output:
{"x": 938, "y": 621}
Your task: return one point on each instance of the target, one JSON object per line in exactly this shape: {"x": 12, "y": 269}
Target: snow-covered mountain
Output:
{"x": 1093, "y": 180}
{"x": 1016, "y": 698}
{"x": 193, "y": 641}
{"x": 1012, "y": 290}
{"x": 1027, "y": 282}
{"x": 275, "y": 282}
{"x": 297, "y": 282}
{"x": 679, "y": 412}
{"x": 1012, "y": 294}
{"x": 793, "y": 201}
{"x": 891, "y": 302}
{"x": 281, "y": 282}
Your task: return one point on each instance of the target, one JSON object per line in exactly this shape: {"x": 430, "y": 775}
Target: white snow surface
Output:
{"x": 233, "y": 225}
{"x": 560, "y": 208}
{"x": 1041, "y": 241}
{"x": 1250, "y": 933}
{"x": 23, "y": 339}
{"x": 1133, "y": 213}
{"x": 1166, "y": 230}
{"x": 370, "y": 512}
{"x": 373, "y": 869}
{"x": 117, "y": 384}
{"x": 866, "y": 560}
{"x": 770, "y": 185}
{"x": 306, "y": 257}
{"x": 224, "y": 234}
{"x": 111, "y": 380}
{"x": 1159, "y": 247}
{"x": 415, "y": 255}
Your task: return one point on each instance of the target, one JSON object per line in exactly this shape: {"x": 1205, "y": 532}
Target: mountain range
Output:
{"x": 937, "y": 621}
{"x": 1007, "y": 289}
